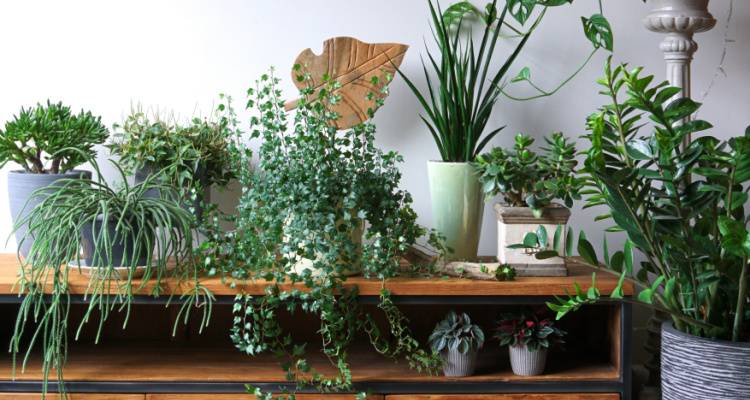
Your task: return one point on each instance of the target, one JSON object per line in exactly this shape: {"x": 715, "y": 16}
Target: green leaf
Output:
{"x": 523, "y": 75}
{"x": 598, "y": 31}
{"x": 557, "y": 238}
{"x": 541, "y": 233}
{"x": 545, "y": 254}
{"x": 586, "y": 250}
{"x": 531, "y": 240}
{"x": 569, "y": 242}
{"x": 681, "y": 108}
{"x": 734, "y": 236}
{"x": 521, "y": 9}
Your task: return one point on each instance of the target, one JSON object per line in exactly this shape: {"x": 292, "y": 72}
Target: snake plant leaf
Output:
{"x": 361, "y": 69}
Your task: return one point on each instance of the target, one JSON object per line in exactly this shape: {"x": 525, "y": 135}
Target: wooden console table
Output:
{"x": 147, "y": 363}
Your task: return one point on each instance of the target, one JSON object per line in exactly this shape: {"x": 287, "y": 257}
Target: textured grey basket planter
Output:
{"x": 513, "y": 223}
{"x": 694, "y": 368}
{"x": 21, "y": 185}
{"x": 525, "y": 362}
{"x": 457, "y": 364}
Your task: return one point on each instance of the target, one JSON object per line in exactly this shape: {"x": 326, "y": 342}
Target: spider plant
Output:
{"x": 459, "y": 100}
{"x": 155, "y": 228}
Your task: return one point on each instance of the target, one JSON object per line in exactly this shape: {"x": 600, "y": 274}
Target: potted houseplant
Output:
{"x": 528, "y": 337}
{"x": 319, "y": 202}
{"x": 459, "y": 100}
{"x": 191, "y": 157}
{"x": 529, "y": 183}
{"x": 48, "y": 142}
{"x": 683, "y": 210}
{"x": 458, "y": 341}
{"x": 117, "y": 230}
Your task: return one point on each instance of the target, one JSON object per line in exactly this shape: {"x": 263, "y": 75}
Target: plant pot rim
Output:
{"x": 553, "y": 213}
{"x": 449, "y": 162}
{"x": 551, "y": 206}
{"x": 66, "y": 173}
{"x": 669, "y": 326}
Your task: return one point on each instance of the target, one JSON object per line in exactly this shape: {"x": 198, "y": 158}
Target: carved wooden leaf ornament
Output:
{"x": 353, "y": 64}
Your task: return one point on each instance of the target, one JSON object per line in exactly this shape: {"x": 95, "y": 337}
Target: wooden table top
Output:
{"x": 400, "y": 286}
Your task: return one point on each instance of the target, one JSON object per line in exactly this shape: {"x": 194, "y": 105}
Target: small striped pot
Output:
{"x": 694, "y": 368}
{"x": 526, "y": 362}
{"x": 457, "y": 364}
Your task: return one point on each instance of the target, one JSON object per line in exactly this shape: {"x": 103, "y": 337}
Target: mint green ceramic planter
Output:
{"x": 457, "y": 206}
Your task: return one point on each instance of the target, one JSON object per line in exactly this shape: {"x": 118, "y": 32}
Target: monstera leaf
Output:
{"x": 353, "y": 64}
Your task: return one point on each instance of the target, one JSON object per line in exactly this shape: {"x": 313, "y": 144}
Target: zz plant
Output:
{"x": 157, "y": 227}
{"x": 328, "y": 197}
{"x": 683, "y": 209}
{"x": 527, "y": 179}
{"x": 50, "y": 138}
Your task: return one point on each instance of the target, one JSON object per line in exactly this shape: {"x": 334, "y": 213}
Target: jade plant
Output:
{"x": 683, "y": 209}
{"x": 463, "y": 81}
{"x": 320, "y": 203}
{"x": 90, "y": 214}
{"x": 50, "y": 138}
{"x": 527, "y": 179}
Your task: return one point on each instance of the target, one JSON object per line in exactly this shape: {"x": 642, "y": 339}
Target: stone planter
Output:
{"x": 695, "y": 368}
{"x": 457, "y": 206}
{"x": 513, "y": 223}
{"x": 456, "y": 364}
{"x": 21, "y": 186}
{"x": 525, "y": 362}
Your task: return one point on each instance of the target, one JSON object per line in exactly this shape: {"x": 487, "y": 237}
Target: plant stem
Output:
{"x": 739, "y": 315}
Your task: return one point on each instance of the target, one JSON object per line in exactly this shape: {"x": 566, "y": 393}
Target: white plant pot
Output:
{"x": 525, "y": 362}
{"x": 513, "y": 223}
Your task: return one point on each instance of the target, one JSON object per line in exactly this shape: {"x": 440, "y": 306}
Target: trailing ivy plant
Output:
{"x": 155, "y": 228}
{"x": 463, "y": 86}
{"x": 683, "y": 209}
{"x": 527, "y": 179}
{"x": 50, "y": 138}
{"x": 320, "y": 202}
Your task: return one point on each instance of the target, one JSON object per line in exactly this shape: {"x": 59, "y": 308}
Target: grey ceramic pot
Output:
{"x": 143, "y": 173}
{"x": 695, "y": 368}
{"x": 525, "y": 362}
{"x": 121, "y": 246}
{"x": 457, "y": 364}
{"x": 21, "y": 186}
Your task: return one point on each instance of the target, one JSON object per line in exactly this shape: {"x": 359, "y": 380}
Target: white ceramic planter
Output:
{"x": 525, "y": 362}
{"x": 513, "y": 223}
{"x": 457, "y": 364}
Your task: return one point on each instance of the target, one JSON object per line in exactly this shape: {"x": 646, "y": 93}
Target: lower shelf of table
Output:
{"x": 178, "y": 396}
{"x": 163, "y": 367}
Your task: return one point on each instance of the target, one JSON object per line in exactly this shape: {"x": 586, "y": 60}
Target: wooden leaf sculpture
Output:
{"x": 353, "y": 64}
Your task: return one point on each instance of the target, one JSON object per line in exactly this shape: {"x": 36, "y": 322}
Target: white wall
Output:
{"x": 180, "y": 54}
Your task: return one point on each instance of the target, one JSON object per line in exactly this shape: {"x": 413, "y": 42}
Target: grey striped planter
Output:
{"x": 696, "y": 368}
{"x": 21, "y": 186}
{"x": 457, "y": 364}
{"x": 525, "y": 362}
